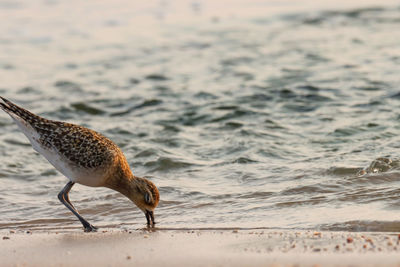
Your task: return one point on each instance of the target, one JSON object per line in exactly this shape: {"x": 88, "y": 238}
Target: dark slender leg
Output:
{"x": 63, "y": 197}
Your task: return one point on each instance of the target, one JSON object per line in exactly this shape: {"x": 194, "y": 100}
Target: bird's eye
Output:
{"x": 147, "y": 198}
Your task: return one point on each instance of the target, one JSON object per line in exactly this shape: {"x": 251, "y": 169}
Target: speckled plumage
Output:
{"x": 82, "y": 146}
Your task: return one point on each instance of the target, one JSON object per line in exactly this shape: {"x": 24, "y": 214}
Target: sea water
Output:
{"x": 253, "y": 114}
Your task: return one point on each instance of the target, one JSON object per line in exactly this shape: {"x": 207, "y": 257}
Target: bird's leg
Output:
{"x": 63, "y": 197}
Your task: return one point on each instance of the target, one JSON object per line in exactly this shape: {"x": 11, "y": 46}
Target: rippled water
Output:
{"x": 285, "y": 119}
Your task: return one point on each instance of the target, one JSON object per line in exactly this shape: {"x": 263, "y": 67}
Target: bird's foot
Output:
{"x": 90, "y": 228}
{"x": 151, "y": 226}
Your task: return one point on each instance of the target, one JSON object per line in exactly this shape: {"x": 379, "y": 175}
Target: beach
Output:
{"x": 212, "y": 247}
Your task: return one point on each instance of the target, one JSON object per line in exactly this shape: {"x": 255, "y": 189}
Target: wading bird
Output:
{"x": 85, "y": 157}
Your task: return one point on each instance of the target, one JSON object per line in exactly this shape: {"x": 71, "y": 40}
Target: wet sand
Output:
{"x": 199, "y": 248}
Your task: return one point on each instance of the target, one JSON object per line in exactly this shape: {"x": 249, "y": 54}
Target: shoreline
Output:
{"x": 200, "y": 248}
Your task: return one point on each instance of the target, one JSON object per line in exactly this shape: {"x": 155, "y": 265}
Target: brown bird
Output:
{"x": 85, "y": 157}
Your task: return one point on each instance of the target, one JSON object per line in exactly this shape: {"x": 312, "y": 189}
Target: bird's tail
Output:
{"x": 4, "y": 106}
{"x": 14, "y": 110}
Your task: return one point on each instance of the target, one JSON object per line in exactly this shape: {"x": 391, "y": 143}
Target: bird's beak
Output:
{"x": 150, "y": 218}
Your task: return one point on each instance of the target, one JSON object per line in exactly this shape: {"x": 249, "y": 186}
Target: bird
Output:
{"x": 85, "y": 157}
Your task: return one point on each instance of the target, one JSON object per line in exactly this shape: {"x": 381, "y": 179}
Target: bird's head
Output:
{"x": 146, "y": 197}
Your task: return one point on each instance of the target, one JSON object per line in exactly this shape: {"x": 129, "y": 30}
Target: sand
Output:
{"x": 199, "y": 248}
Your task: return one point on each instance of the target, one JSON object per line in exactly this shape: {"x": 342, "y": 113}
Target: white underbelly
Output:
{"x": 77, "y": 174}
